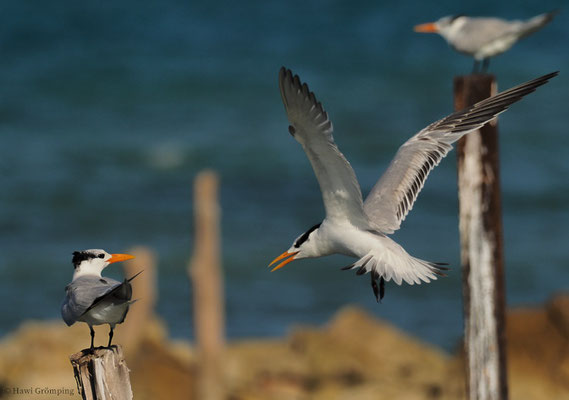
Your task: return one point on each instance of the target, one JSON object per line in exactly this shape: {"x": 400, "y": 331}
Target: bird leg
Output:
{"x": 485, "y": 64}
{"x": 92, "y": 337}
{"x": 378, "y": 291}
{"x": 111, "y": 333}
{"x": 475, "y": 67}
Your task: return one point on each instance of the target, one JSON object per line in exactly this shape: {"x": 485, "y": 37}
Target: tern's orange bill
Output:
{"x": 119, "y": 257}
{"x": 285, "y": 262}
{"x": 429, "y": 27}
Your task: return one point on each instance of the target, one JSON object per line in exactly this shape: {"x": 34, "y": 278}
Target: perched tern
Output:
{"x": 483, "y": 38}
{"x": 359, "y": 228}
{"x": 95, "y": 300}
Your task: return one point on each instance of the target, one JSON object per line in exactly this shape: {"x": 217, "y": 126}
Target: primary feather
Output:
{"x": 393, "y": 196}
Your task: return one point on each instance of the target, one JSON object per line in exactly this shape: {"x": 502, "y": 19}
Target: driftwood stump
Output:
{"x": 102, "y": 374}
{"x": 206, "y": 276}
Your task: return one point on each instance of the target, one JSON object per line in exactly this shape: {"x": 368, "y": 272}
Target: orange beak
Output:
{"x": 285, "y": 262}
{"x": 119, "y": 257}
{"x": 429, "y": 27}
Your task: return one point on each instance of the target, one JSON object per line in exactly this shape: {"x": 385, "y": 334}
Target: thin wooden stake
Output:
{"x": 481, "y": 248}
{"x": 207, "y": 286}
{"x": 102, "y": 374}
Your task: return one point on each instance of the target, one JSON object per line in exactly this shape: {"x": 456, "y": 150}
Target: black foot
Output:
{"x": 378, "y": 290}
{"x": 92, "y": 348}
{"x": 485, "y": 65}
{"x": 475, "y": 67}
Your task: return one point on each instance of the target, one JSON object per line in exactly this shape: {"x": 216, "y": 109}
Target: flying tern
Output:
{"x": 358, "y": 228}
{"x": 95, "y": 300}
{"x": 482, "y": 37}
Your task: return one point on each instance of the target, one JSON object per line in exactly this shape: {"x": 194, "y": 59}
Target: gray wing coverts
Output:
{"x": 393, "y": 196}
{"x": 86, "y": 291}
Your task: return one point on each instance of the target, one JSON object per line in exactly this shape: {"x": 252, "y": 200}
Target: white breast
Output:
{"x": 346, "y": 239}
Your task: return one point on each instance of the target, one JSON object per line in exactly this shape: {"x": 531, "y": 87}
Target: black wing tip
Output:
{"x": 543, "y": 79}
{"x": 552, "y": 13}
{"x": 487, "y": 109}
{"x": 439, "y": 266}
{"x": 524, "y": 88}
{"x": 287, "y": 74}
{"x": 287, "y": 77}
{"x": 534, "y": 83}
{"x": 518, "y": 92}
{"x": 134, "y": 276}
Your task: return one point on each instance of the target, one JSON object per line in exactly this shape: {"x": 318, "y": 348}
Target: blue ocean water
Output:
{"x": 108, "y": 111}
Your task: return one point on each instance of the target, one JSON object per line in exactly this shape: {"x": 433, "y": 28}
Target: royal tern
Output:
{"x": 483, "y": 38}
{"x": 95, "y": 300}
{"x": 359, "y": 228}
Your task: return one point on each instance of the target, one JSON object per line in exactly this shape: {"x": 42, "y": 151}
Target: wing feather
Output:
{"x": 312, "y": 128}
{"x": 82, "y": 293}
{"x": 393, "y": 196}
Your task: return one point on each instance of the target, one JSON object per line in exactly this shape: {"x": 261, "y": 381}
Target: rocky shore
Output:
{"x": 354, "y": 356}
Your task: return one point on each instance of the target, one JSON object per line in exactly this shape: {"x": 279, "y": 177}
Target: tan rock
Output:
{"x": 355, "y": 357}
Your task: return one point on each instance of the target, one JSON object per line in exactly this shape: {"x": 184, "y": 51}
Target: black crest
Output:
{"x": 80, "y": 256}
{"x": 305, "y": 235}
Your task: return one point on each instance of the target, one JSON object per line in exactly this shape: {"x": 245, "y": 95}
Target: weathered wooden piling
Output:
{"x": 481, "y": 248}
{"x": 130, "y": 332}
{"x": 207, "y": 286}
{"x": 102, "y": 374}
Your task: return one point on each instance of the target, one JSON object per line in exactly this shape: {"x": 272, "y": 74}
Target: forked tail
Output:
{"x": 537, "y": 22}
{"x": 392, "y": 262}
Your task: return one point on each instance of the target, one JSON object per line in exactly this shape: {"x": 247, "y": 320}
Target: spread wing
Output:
{"x": 393, "y": 196}
{"x": 312, "y": 128}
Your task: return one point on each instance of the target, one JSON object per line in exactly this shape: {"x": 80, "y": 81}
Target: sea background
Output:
{"x": 108, "y": 110}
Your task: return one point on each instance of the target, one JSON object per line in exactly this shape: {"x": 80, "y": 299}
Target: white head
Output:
{"x": 445, "y": 26}
{"x": 93, "y": 261}
{"x": 304, "y": 246}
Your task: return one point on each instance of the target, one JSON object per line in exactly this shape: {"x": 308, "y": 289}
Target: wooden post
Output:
{"x": 102, "y": 375}
{"x": 207, "y": 286}
{"x": 481, "y": 248}
{"x": 131, "y": 332}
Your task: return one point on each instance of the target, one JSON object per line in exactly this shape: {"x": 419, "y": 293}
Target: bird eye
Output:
{"x": 101, "y": 256}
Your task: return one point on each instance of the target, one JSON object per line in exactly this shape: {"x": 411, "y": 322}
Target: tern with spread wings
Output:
{"x": 359, "y": 228}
